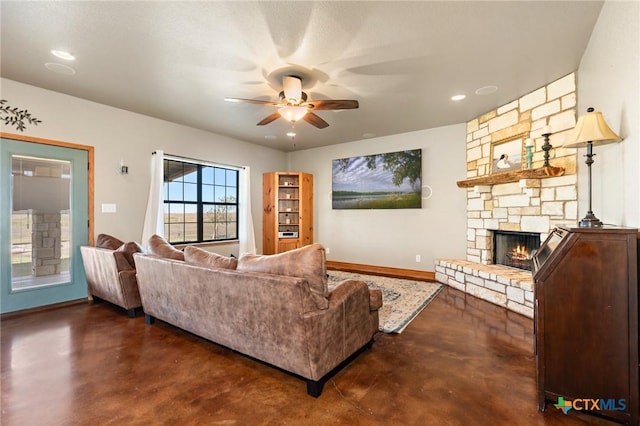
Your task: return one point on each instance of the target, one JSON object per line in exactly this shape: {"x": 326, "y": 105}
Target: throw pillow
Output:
{"x": 128, "y": 249}
{"x": 199, "y": 257}
{"x": 108, "y": 242}
{"x": 161, "y": 247}
{"x": 308, "y": 262}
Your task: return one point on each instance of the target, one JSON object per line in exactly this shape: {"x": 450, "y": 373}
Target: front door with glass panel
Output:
{"x": 44, "y": 217}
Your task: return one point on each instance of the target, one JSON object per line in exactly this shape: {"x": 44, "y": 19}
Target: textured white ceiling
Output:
{"x": 401, "y": 60}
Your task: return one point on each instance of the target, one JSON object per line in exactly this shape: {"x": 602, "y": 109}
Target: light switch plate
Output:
{"x": 108, "y": 208}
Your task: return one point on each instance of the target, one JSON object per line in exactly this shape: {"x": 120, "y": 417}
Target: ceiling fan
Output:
{"x": 293, "y": 104}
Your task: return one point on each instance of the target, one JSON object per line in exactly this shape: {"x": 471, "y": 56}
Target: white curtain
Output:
{"x": 247, "y": 236}
{"x": 154, "y": 216}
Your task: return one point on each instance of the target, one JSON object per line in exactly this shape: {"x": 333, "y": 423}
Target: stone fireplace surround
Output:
{"x": 528, "y": 205}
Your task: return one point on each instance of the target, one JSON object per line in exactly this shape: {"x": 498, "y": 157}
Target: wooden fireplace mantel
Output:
{"x": 513, "y": 176}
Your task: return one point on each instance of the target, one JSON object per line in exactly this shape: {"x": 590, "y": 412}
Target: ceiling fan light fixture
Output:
{"x": 292, "y": 113}
{"x": 292, "y": 89}
{"x": 293, "y": 105}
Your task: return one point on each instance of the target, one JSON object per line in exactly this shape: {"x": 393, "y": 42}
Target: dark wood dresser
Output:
{"x": 586, "y": 321}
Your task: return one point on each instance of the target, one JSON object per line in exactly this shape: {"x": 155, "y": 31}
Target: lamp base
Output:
{"x": 590, "y": 221}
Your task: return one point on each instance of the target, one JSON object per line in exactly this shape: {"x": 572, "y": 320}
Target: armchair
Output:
{"x": 111, "y": 273}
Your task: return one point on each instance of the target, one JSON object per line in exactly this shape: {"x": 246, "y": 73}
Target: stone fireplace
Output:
{"x": 525, "y": 200}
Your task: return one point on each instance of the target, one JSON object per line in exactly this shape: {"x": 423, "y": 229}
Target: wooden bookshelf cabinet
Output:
{"x": 586, "y": 320}
{"x": 287, "y": 211}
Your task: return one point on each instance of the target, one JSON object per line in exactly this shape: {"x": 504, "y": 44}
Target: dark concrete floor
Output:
{"x": 463, "y": 361}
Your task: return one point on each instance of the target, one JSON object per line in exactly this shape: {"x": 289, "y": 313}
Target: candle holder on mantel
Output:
{"x": 547, "y": 146}
{"x": 529, "y": 155}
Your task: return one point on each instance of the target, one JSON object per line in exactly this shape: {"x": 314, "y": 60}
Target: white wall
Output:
{"x": 608, "y": 81}
{"x": 118, "y": 134}
{"x": 394, "y": 237}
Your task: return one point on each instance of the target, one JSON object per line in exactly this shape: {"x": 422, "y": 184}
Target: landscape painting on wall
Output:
{"x": 381, "y": 181}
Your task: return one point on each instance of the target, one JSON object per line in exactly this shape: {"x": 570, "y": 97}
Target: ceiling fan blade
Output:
{"x": 252, "y": 101}
{"x": 315, "y": 120}
{"x": 332, "y": 104}
{"x": 269, "y": 119}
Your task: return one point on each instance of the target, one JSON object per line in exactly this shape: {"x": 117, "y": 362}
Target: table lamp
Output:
{"x": 590, "y": 130}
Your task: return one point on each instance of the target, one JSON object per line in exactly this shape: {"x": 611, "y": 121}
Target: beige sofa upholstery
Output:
{"x": 292, "y": 322}
{"x": 110, "y": 272}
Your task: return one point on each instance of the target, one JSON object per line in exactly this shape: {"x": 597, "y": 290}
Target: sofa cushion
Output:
{"x": 108, "y": 242}
{"x": 308, "y": 262}
{"x": 161, "y": 247}
{"x": 128, "y": 249}
{"x": 199, "y": 257}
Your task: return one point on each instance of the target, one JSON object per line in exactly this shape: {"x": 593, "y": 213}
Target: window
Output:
{"x": 200, "y": 202}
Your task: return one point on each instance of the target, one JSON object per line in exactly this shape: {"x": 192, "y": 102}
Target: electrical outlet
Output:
{"x": 327, "y": 250}
{"x": 418, "y": 259}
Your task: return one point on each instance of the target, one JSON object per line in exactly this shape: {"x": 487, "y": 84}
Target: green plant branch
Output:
{"x": 15, "y": 117}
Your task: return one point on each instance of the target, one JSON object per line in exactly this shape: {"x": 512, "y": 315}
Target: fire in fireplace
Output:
{"x": 515, "y": 249}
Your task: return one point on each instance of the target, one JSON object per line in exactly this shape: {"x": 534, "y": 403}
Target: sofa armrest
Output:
{"x": 375, "y": 299}
{"x": 122, "y": 263}
{"x": 343, "y": 328}
{"x": 129, "y": 289}
{"x": 343, "y": 289}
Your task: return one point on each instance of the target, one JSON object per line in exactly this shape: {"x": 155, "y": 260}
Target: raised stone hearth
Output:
{"x": 501, "y": 285}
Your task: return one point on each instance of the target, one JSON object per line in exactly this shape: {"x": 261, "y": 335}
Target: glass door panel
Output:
{"x": 40, "y": 232}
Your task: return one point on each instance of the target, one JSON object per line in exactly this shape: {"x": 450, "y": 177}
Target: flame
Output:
{"x": 520, "y": 252}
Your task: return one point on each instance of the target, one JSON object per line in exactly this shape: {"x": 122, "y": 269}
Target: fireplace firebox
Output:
{"x": 514, "y": 248}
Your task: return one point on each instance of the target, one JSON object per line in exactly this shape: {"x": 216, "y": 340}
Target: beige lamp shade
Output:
{"x": 591, "y": 127}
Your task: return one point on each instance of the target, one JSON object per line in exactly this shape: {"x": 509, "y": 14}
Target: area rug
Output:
{"x": 402, "y": 300}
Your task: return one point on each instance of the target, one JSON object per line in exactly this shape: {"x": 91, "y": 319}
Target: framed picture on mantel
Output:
{"x": 506, "y": 155}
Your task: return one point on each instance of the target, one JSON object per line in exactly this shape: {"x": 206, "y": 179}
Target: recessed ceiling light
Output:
{"x": 486, "y": 90}
{"x": 458, "y": 97}
{"x": 291, "y": 134}
{"x": 63, "y": 55}
{"x": 59, "y": 68}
